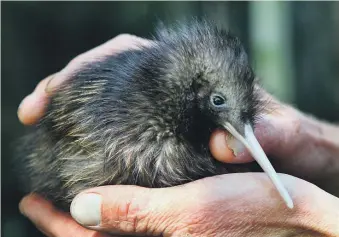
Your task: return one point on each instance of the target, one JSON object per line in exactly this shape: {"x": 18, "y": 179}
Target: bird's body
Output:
{"x": 142, "y": 117}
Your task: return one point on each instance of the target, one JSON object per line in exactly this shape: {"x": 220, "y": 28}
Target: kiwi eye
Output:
{"x": 218, "y": 100}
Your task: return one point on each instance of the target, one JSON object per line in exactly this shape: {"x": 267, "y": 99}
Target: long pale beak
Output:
{"x": 253, "y": 146}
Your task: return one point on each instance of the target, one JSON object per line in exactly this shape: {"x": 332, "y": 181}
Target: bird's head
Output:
{"x": 209, "y": 80}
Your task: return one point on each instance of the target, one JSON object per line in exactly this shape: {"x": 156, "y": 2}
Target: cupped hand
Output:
{"x": 294, "y": 140}
{"x": 32, "y": 108}
{"x": 227, "y": 205}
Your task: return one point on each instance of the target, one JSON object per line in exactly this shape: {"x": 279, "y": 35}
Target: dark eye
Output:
{"x": 218, "y": 100}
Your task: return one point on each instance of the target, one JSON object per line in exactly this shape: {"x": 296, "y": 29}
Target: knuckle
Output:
{"x": 124, "y": 38}
{"x": 129, "y": 41}
{"x": 118, "y": 40}
{"x": 77, "y": 60}
{"x": 128, "y": 217}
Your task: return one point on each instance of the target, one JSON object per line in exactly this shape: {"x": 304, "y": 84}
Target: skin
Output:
{"x": 226, "y": 205}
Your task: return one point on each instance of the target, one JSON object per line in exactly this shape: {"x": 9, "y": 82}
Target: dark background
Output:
{"x": 293, "y": 45}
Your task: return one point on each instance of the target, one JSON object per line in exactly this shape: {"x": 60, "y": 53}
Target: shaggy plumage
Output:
{"x": 143, "y": 117}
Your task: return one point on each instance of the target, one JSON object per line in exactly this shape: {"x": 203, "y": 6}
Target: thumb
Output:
{"x": 127, "y": 210}
{"x": 220, "y": 205}
{"x": 172, "y": 211}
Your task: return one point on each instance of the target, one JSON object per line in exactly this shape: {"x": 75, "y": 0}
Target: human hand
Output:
{"x": 227, "y": 205}
{"x": 297, "y": 143}
{"x": 300, "y": 145}
{"x": 277, "y": 124}
{"x": 32, "y": 108}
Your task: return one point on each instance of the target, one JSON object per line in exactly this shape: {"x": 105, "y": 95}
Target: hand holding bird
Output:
{"x": 281, "y": 139}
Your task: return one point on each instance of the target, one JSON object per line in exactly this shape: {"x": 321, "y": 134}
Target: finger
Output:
{"x": 118, "y": 44}
{"x": 222, "y": 152}
{"x": 51, "y": 221}
{"x": 234, "y": 201}
{"x": 270, "y": 131}
{"x": 122, "y": 210}
{"x": 33, "y": 107}
{"x": 169, "y": 211}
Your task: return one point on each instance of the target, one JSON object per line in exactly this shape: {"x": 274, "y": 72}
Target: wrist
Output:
{"x": 323, "y": 140}
{"x": 301, "y": 145}
{"x": 320, "y": 152}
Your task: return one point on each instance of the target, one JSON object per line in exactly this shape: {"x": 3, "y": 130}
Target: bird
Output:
{"x": 145, "y": 117}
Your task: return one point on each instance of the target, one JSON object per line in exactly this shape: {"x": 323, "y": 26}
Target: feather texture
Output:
{"x": 141, "y": 117}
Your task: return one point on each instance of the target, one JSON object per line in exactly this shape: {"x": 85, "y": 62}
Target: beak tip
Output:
{"x": 253, "y": 146}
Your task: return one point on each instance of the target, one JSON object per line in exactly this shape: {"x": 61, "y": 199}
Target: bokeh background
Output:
{"x": 294, "y": 47}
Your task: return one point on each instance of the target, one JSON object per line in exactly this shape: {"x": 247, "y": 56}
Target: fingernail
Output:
{"x": 235, "y": 145}
{"x": 86, "y": 209}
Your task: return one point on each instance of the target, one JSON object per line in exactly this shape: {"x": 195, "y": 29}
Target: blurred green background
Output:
{"x": 294, "y": 47}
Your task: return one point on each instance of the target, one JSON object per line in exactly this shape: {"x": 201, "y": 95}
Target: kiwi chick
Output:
{"x": 143, "y": 117}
